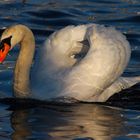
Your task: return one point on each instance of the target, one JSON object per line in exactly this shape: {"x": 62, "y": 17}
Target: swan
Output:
{"x": 83, "y": 62}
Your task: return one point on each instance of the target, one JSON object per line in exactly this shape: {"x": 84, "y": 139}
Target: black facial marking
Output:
{"x": 5, "y": 40}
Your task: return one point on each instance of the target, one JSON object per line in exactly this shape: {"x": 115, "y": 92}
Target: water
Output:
{"x": 40, "y": 121}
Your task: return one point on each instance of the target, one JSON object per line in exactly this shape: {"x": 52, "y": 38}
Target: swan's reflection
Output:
{"x": 84, "y": 120}
{"x": 19, "y": 121}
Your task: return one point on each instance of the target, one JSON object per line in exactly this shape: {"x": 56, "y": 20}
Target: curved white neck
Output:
{"x": 23, "y": 64}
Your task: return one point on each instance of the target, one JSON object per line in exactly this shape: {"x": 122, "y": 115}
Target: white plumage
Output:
{"x": 83, "y": 62}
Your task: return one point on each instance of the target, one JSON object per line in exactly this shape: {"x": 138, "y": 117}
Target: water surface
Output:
{"x": 32, "y": 121}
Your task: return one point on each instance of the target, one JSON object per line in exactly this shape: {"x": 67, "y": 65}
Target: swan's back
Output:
{"x": 69, "y": 68}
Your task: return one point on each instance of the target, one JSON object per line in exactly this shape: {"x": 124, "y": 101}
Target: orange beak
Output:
{"x": 4, "y": 51}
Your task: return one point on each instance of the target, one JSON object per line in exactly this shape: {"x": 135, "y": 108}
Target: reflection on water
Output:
{"x": 77, "y": 121}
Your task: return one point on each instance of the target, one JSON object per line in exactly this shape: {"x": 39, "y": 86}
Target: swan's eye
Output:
{"x": 3, "y": 49}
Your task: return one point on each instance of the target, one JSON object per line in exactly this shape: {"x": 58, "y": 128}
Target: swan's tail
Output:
{"x": 119, "y": 85}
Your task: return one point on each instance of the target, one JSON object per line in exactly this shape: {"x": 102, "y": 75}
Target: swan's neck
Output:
{"x": 23, "y": 64}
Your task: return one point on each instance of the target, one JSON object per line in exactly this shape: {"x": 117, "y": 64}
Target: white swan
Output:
{"x": 82, "y": 62}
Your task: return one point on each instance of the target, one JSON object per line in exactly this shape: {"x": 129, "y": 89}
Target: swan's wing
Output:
{"x": 119, "y": 85}
{"x": 105, "y": 61}
{"x": 55, "y": 59}
{"x": 65, "y": 37}
{"x": 59, "y": 47}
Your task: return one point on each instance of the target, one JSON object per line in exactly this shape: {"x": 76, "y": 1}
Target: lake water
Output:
{"x": 117, "y": 119}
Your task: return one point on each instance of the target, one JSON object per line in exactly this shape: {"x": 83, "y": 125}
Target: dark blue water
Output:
{"x": 40, "y": 121}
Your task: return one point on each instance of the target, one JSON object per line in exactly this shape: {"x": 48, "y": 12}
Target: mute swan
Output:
{"x": 81, "y": 62}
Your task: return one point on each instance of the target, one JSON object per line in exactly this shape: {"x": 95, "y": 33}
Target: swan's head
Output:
{"x": 9, "y": 38}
